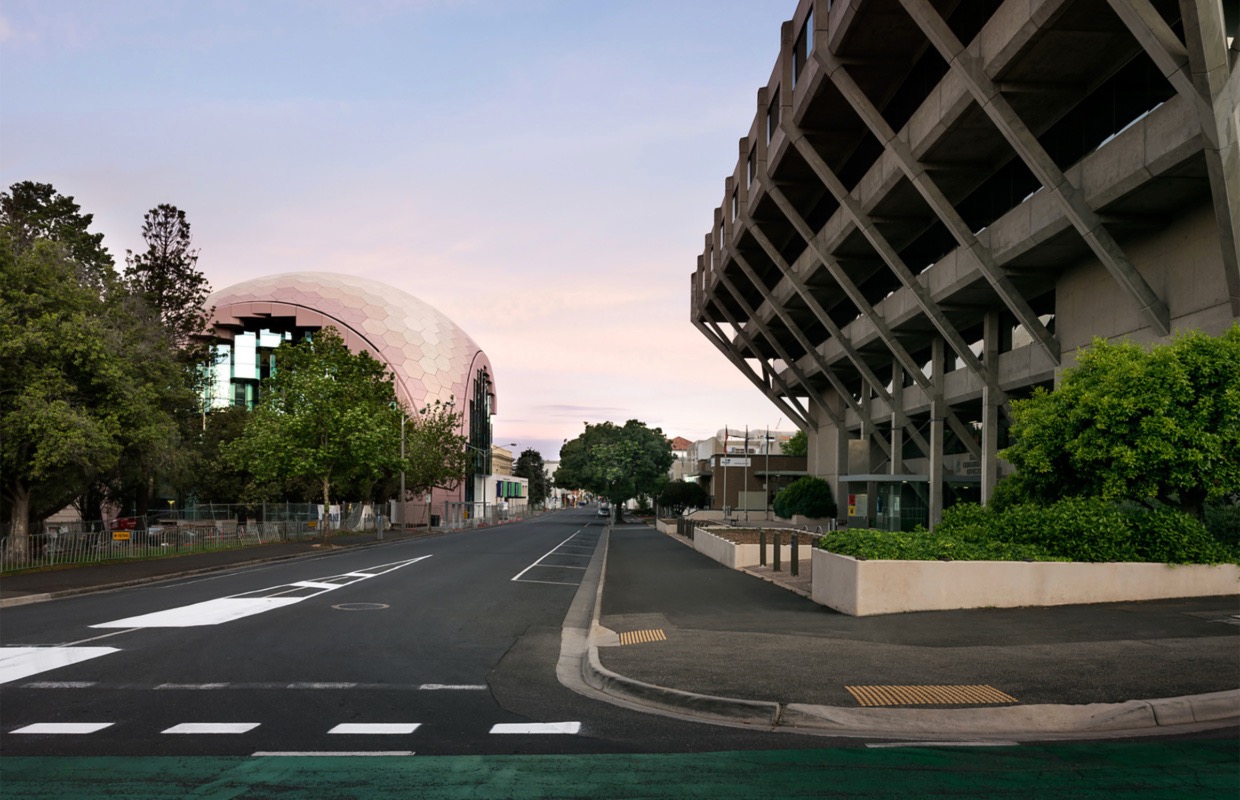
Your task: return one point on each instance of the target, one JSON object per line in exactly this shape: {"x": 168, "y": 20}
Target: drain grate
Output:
{"x": 640, "y": 637}
{"x": 928, "y": 695}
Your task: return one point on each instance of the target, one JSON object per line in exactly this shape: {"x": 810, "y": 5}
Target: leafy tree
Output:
{"x": 797, "y": 445}
{"x": 809, "y": 496}
{"x": 616, "y": 462}
{"x": 1128, "y": 424}
{"x": 679, "y": 495}
{"x": 166, "y": 275}
{"x": 530, "y": 465}
{"x": 30, "y": 212}
{"x": 215, "y": 477}
{"x": 330, "y": 417}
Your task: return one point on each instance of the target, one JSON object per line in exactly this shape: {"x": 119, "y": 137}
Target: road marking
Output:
{"x": 537, "y": 727}
{"x": 435, "y": 687}
{"x": 192, "y": 686}
{"x": 22, "y": 662}
{"x": 65, "y": 727}
{"x": 227, "y": 609}
{"x": 327, "y": 753}
{"x": 213, "y": 727}
{"x": 641, "y": 637}
{"x": 551, "y": 583}
{"x": 928, "y": 695}
{"x": 517, "y": 577}
{"x": 314, "y": 685}
{"x": 59, "y": 685}
{"x": 381, "y": 728}
{"x": 946, "y": 744}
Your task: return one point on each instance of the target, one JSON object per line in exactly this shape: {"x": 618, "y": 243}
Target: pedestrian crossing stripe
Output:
{"x": 929, "y": 695}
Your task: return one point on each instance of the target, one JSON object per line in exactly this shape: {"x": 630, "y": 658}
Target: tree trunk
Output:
{"x": 617, "y": 511}
{"x": 327, "y": 509}
{"x": 17, "y": 545}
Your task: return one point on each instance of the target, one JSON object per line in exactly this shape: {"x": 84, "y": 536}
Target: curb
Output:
{"x": 1161, "y": 715}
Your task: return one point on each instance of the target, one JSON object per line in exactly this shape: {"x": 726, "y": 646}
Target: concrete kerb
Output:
{"x": 1133, "y": 717}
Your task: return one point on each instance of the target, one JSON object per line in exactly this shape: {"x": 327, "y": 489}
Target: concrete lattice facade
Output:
{"x": 939, "y": 202}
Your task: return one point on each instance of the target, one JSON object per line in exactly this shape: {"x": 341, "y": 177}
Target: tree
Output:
{"x": 530, "y": 465}
{"x": 679, "y": 495}
{"x": 166, "y": 275}
{"x": 435, "y": 452}
{"x": 616, "y": 462}
{"x": 809, "y": 496}
{"x": 31, "y": 212}
{"x": 1157, "y": 426}
{"x": 797, "y": 445}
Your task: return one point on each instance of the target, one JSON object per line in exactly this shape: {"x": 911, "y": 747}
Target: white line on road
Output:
{"x": 380, "y": 728}
{"x": 65, "y": 727}
{"x": 434, "y": 687}
{"x": 192, "y": 686}
{"x": 59, "y": 685}
{"x": 544, "y": 555}
{"x": 321, "y": 685}
{"x": 213, "y": 727}
{"x": 22, "y": 662}
{"x": 537, "y": 727}
{"x": 227, "y": 609}
{"x": 550, "y": 583}
{"x": 326, "y": 753}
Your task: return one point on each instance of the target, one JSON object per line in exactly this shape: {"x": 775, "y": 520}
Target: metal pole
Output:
{"x": 402, "y": 470}
{"x": 795, "y": 561}
{"x": 776, "y": 564}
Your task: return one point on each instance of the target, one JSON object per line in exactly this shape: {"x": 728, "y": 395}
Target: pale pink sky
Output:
{"x": 541, "y": 171}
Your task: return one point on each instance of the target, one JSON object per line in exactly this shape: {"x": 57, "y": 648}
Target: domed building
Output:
{"x": 429, "y": 355}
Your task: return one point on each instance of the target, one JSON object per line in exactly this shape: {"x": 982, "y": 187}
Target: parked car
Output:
{"x": 604, "y": 510}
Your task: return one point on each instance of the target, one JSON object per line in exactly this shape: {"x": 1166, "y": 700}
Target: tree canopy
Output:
{"x": 797, "y": 445}
{"x": 1159, "y": 425}
{"x": 676, "y": 496}
{"x": 616, "y": 462}
{"x": 530, "y": 465}
{"x": 165, "y": 275}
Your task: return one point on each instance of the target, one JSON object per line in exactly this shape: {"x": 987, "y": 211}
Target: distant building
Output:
{"x": 431, "y": 358}
{"x": 937, "y": 204}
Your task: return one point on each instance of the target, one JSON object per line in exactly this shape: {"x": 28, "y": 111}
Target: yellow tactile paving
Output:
{"x": 928, "y": 695}
{"x": 640, "y": 637}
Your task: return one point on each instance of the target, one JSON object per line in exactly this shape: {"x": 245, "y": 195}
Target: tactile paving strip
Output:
{"x": 640, "y": 637}
{"x": 928, "y": 695}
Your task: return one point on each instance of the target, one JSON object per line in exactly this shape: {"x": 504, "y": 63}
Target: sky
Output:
{"x": 543, "y": 172}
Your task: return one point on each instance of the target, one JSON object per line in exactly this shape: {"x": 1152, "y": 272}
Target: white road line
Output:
{"x": 435, "y": 687}
{"x": 213, "y": 727}
{"x": 544, "y": 555}
{"x": 227, "y": 609}
{"x": 96, "y": 638}
{"x": 65, "y": 727}
{"x": 381, "y": 728}
{"x": 192, "y": 686}
{"x": 59, "y": 685}
{"x": 313, "y": 685}
{"x": 360, "y": 574}
{"x": 549, "y": 583}
{"x": 996, "y": 743}
{"x": 537, "y": 727}
{"x": 22, "y": 662}
{"x": 327, "y": 753}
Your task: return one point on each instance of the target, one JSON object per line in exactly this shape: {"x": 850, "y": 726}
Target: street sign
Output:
{"x": 730, "y": 461}
{"x": 120, "y": 536}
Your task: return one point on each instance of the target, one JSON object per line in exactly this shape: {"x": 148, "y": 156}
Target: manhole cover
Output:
{"x": 360, "y": 606}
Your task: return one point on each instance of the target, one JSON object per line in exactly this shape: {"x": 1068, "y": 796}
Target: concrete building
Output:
{"x": 431, "y": 358}
{"x": 937, "y": 203}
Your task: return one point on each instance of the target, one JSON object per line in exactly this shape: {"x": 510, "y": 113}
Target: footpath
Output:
{"x": 675, "y": 632}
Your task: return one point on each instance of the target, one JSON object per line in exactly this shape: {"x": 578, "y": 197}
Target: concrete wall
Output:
{"x": 863, "y": 588}
{"x": 737, "y": 556}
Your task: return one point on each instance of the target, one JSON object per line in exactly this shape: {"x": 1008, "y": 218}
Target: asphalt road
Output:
{"x": 443, "y": 646}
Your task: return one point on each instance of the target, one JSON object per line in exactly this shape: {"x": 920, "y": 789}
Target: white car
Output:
{"x": 603, "y": 510}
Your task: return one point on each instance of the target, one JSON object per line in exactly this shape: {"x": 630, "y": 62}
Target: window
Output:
{"x": 772, "y": 117}
{"x": 734, "y": 206}
{"x": 750, "y": 166}
{"x": 802, "y": 47}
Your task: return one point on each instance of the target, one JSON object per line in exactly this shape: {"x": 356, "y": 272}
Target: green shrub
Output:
{"x": 1167, "y": 535}
{"x": 808, "y": 496}
{"x": 1076, "y": 528}
{"x": 1223, "y": 524}
{"x": 923, "y": 545}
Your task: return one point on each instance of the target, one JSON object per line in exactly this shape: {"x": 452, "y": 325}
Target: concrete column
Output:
{"x": 938, "y": 414}
{"x": 991, "y": 400}
{"x": 897, "y": 412}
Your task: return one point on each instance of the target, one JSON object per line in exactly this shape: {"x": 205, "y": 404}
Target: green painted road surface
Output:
{"x": 1175, "y": 770}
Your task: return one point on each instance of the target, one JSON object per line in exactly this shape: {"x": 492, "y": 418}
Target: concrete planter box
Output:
{"x": 737, "y": 556}
{"x": 862, "y": 588}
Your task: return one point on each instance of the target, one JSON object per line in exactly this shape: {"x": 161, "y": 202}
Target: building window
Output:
{"x": 734, "y": 206}
{"x": 750, "y": 166}
{"x": 803, "y": 46}
{"x": 772, "y": 117}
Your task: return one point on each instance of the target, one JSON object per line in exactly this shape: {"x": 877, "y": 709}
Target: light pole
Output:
{"x": 402, "y": 471}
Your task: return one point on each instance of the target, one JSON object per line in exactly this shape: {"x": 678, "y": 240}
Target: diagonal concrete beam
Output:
{"x": 795, "y": 413}
{"x": 867, "y": 374}
{"x": 939, "y": 204}
{"x": 829, "y": 373}
{"x": 1072, "y": 202}
{"x": 861, "y": 218}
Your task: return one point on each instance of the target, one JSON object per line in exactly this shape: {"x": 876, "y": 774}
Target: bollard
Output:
{"x": 775, "y": 566}
{"x": 762, "y": 548}
{"x": 795, "y": 565}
